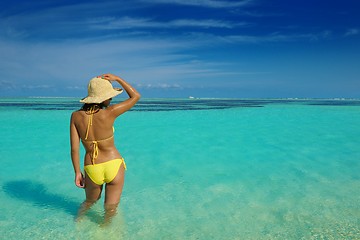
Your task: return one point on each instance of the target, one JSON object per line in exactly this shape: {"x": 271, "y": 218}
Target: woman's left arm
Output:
{"x": 75, "y": 153}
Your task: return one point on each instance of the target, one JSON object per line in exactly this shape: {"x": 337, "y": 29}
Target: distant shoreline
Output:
{"x": 197, "y": 98}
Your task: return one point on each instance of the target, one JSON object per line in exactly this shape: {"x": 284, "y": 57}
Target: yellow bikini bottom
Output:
{"x": 104, "y": 172}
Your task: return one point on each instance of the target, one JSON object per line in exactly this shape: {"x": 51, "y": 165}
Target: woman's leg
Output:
{"x": 113, "y": 192}
{"x": 92, "y": 192}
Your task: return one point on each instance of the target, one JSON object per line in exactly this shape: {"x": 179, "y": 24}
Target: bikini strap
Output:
{"x": 95, "y": 152}
{"x": 91, "y": 112}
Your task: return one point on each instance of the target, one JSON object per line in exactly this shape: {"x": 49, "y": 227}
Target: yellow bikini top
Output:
{"x": 95, "y": 150}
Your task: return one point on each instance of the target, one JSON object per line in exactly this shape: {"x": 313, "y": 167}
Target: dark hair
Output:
{"x": 88, "y": 106}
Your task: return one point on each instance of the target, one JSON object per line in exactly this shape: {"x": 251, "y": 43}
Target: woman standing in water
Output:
{"x": 93, "y": 125}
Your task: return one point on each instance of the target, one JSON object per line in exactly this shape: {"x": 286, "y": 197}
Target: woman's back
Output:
{"x": 96, "y": 128}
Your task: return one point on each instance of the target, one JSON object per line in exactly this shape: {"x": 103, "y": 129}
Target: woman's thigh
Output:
{"x": 114, "y": 188}
{"x": 92, "y": 190}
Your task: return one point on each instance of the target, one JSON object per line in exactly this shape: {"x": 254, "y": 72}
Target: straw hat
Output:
{"x": 100, "y": 90}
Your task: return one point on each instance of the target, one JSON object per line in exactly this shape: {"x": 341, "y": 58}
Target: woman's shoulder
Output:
{"x": 77, "y": 113}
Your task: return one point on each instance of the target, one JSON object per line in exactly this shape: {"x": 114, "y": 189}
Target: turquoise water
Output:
{"x": 197, "y": 169}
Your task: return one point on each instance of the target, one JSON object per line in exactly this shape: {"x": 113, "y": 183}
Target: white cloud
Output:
{"x": 204, "y": 3}
{"x": 7, "y": 85}
{"x": 277, "y": 37}
{"x": 159, "y": 86}
{"x": 352, "y": 32}
{"x": 131, "y": 23}
{"x": 158, "y": 62}
{"x": 207, "y": 23}
{"x": 78, "y": 20}
{"x": 26, "y": 86}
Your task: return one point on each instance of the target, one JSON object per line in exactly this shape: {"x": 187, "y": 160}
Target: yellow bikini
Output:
{"x": 101, "y": 172}
{"x": 104, "y": 172}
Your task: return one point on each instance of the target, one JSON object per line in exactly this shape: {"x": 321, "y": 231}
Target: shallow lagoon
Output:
{"x": 197, "y": 169}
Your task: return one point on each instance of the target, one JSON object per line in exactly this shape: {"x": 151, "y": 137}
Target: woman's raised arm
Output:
{"x": 134, "y": 96}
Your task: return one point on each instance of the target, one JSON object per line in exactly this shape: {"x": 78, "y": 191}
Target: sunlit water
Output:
{"x": 197, "y": 169}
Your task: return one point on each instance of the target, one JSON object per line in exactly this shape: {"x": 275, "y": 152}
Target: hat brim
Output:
{"x": 100, "y": 99}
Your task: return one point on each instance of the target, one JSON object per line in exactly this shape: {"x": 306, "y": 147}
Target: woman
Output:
{"x": 93, "y": 125}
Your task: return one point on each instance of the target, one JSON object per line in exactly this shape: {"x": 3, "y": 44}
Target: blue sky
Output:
{"x": 181, "y": 48}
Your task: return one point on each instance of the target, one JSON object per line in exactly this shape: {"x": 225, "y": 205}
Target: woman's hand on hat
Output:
{"x": 108, "y": 76}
